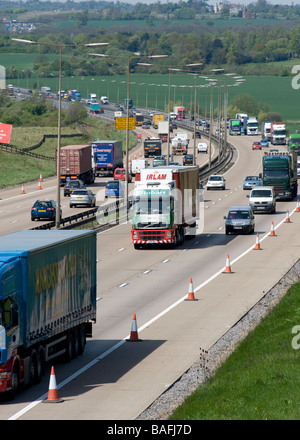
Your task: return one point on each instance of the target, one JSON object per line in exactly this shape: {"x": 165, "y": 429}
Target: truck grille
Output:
{"x": 151, "y": 235}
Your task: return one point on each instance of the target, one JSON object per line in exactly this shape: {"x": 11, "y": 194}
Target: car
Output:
{"x": 215, "y": 181}
{"x": 163, "y": 157}
{"x": 164, "y": 139}
{"x": 146, "y": 124}
{"x": 82, "y": 197}
{"x": 159, "y": 162}
{"x": 197, "y": 134}
{"x": 44, "y": 209}
{"x": 256, "y": 146}
{"x": 188, "y": 159}
{"x": 173, "y": 125}
{"x": 262, "y": 199}
{"x": 264, "y": 142}
{"x": 114, "y": 188}
{"x": 177, "y": 164}
{"x": 251, "y": 181}
{"x": 71, "y": 185}
{"x": 274, "y": 150}
{"x": 240, "y": 219}
{"x": 120, "y": 173}
{"x": 202, "y": 147}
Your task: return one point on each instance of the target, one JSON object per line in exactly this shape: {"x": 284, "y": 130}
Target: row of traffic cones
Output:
{"x": 39, "y": 184}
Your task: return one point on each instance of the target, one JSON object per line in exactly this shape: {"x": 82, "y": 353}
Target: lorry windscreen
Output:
{"x": 278, "y": 174}
{"x": 152, "y": 204}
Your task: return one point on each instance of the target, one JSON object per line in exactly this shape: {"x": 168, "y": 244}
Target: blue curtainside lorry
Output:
{"x": 107, "y": 156}
{"x": 47, "y": 301}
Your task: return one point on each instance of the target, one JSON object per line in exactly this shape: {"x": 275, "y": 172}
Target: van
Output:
{"x": 240, "y": 219}
{"x": 120, "y": 174}
{"x": 262, "y": 199}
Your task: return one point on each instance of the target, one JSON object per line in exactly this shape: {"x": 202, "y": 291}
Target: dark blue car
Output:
{"x": 114, "y": 188}
{"x": 43, "y": 209}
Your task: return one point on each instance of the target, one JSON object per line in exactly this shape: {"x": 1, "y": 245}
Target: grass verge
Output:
{"x": 260, "y": 379}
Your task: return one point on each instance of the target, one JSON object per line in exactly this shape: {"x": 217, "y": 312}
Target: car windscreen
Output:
{"x": 43, "y": 204}
{"x": 238, "y": 215}
{"x": 80, "y": 192}
{"x": 214, "y": 178}
{"x": 112, "y": 185}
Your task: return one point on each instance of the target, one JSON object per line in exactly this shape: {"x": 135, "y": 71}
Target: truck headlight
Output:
{"x": 169, "y": 234}
{"x": 135, "y": 235}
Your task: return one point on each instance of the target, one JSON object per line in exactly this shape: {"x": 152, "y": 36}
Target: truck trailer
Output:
{"x": 76, "y": 163}
{"x": 163, "y": 128}
{"x": 156, "y": 118}
{"x": 266, "y": 130}
{"x": 107, "y": 156}
{"x": 165, "y": 205}
{"x": 280, "y": 171}
{"x": 47, "y": 301}
{"x": 74, "y": 95}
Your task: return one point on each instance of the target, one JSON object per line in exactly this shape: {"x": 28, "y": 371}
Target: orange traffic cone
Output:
{"x": 23, "y": 190}
{"x": 134, "y": 331}
{"x": 227, "y": 268}
{"x": 298, "y": 206}
{"x": 257, "y": 244}
{"x": 52, "y": 393}
{"x": 287, "y": 219}
{"x": 40, "y": 185}
{"x": 41, "y": 177}
{"x": 272, "y": 233}
{"x": 191, "y": 296}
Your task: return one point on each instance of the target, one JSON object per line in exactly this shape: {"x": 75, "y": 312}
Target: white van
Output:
{"x": 262, "y": 199}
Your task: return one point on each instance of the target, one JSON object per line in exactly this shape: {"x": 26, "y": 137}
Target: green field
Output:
{"x": 260, "y": 379}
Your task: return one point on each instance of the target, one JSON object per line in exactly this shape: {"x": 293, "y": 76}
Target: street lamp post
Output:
{"x": 60, "y": 46}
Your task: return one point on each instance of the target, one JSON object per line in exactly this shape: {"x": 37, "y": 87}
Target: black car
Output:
{"x": 71, "y": 185}
{"x": 197, "y": 133}
{"x": 146, "y": 124}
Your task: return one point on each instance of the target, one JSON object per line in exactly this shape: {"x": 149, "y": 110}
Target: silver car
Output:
{"x": 82, "y": 197}
{"x": 215, "y": 182}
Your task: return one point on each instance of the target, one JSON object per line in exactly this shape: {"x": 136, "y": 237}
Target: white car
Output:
{"x": 202, "y": 147}
{"x": 215, "y": 182}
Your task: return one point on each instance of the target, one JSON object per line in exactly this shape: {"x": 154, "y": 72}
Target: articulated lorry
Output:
{"x": 165, "y": 205}
{"x": 95, "y": 108}
{"x": 266, "y": 130}
{"x": 107, "y": 156}
{"x": 152, "y": 147}
{"x": 251, "y": 126}
{"x": 47, "y": 301}
{"x": 280, "y": 171}
{"x": 74, "y": 95}
{"x": 76, "y": 164}
{"x": 180, "y": 143}
{"x": 163, "y": 128}
{"x": 156, "y": 118}
{"x": 278, "y": 133}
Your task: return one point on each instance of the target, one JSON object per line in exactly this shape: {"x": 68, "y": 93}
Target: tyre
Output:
{"x": 82, "y": 338}
{"x": 69, "y": 354}
{"x": 15, "y": 382}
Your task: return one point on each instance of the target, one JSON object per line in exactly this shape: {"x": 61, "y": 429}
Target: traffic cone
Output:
{"x": 227, "y": 268}
{"x": 298, "y": 206}
{"x": 191, "y": 296}
{"x": 52, "y": 393}
{"x": 40, "y": 185}
{"x": 287, "y": 218}
{"x": 23, "y": 190}
{"x": 272, "y": 233}
{"x": 41, "y": 177}
{"x": 257, "y": 244}
{"x": 134, "y": 331}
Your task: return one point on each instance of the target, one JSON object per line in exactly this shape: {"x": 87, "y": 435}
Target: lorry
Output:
{"x": 130, "y": 104}
{"x": 92, "y": 97}
{"x": 235, "y": 127}
{"x": 76, "y": 164}
{"x": 251, "y": 126}
{"x": 74, "y": 95}
{"x": 48, "y": 286}
{"x": 10, "y": 88}
{"x": 180, "y": 143}
{"x": 180, "y": 112}
{"x": 280, "y": 171}
{"x": 95, "y": 107}
{"x": 137, "y": 165}
{"x": 156, "y": 118}
{"x": 104, "y": 100}
{"x": 107, "y": 156}
{"x": 163, "y": 128}
{"x": 294, "y": 143}
{"x": 278, "y": 133}
{"x": 165, "y": 205}
{"x": 243, "y": 117}
{"x": 139, "y": 119}
{"x": 46, "y": 90}
{"x": 266, "y": 130}
{"x": 152, "y": 147}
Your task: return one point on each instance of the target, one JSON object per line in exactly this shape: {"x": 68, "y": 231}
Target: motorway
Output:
{"x": 117, "y": 380}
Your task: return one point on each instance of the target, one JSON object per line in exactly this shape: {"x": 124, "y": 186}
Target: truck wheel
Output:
{"x": 76, "y": 342}
{"x": 82, "y": 338}
{"x": 35, "y": 371}
{"x": 69, "y": 354}
{"x": 15, "y": 382}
